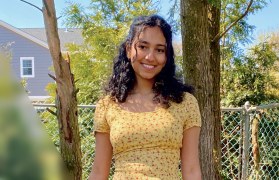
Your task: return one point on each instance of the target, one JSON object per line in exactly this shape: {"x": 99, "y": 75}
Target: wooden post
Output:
{"x": 255, "y": 145}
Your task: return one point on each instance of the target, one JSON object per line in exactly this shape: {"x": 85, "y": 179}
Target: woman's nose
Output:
{"x": 150, "y": 56}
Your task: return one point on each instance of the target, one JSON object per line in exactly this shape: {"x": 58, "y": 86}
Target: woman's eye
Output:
{"x": 161, "y": 50}
{"x": 141, "y": 47}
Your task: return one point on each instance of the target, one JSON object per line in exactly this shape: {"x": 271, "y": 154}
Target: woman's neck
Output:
{"x": 143, "y": 87}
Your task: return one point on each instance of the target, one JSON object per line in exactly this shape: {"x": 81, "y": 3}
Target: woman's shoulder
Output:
{"x": 189, "y": 98}
{"x": 104, "y": 100}
{"x": 188, "y": 101}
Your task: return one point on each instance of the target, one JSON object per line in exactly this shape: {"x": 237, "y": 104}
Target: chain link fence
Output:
{"x": 85, "y": 120}
{"x": 249, "y": 140}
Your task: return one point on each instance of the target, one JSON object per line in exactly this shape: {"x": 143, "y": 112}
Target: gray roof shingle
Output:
{"x": 66, "y": 36}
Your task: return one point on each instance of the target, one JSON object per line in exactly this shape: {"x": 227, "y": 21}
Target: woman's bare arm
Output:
{"x": 190, "y": 154}
{"x": 103, "y": 156}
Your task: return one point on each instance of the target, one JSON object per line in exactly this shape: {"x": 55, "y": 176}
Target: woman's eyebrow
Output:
{"x": 143, "y": 41}
{"x": 146, "y": 42}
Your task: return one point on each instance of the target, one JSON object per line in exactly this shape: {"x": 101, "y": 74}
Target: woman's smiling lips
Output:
{"x": 147, "y": 66}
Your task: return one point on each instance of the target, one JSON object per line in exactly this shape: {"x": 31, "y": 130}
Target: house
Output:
{"x": 31, "y": 59}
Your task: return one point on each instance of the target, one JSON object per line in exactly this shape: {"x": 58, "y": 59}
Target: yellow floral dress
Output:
{"x": 146, "y": 145}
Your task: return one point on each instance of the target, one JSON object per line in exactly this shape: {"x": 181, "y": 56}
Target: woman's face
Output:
{"x": 148, "y": 53}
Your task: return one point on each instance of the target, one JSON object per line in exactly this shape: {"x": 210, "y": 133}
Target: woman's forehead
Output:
{"x": 151, "y": 35}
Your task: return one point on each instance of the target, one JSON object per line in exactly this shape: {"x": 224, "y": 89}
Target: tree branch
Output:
{"x": 32, "y": 5}
{"x": 52, "y": 112}
{"x": 36, "y": 7}
{"x": 54, "y": 78}
{"x": 221, "y": 34}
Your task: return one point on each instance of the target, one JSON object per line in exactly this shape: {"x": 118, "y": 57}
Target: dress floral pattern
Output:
{"x": 146, "y": 145}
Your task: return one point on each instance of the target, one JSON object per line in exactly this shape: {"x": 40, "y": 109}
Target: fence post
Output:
{"x": 246, "y": 138}
{"x": 240, "y": 149}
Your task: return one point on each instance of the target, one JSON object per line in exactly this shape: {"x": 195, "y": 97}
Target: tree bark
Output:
{"x": 66, "y": 101}
{"x": 214, "y": 13}
{"x": 201, "y": 62}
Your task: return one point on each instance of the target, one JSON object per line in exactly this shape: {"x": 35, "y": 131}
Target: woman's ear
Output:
{"x": 128, "y": 52}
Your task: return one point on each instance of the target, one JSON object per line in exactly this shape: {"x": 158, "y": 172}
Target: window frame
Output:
{"x": 21, "y": 67}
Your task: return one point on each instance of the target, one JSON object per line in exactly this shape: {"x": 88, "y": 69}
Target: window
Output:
{"x": 27, "y": 67}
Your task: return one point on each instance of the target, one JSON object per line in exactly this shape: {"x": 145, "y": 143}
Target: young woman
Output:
{"x": 148, "y": 120}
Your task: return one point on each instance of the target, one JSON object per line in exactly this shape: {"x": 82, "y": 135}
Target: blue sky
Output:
{"x": 22, "y": 15}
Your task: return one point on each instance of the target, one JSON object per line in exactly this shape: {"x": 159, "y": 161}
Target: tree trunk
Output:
{"x": 215, "y": 71}
{"x": 66, "y": 101}
{"x": 198, "y": 64}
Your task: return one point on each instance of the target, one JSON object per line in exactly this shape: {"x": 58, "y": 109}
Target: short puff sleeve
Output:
{"x": 193, "y": 116}
{"x": 100, "y": 121}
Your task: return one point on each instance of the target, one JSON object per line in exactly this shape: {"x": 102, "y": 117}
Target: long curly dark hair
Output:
{"x": 167, "y": 86}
